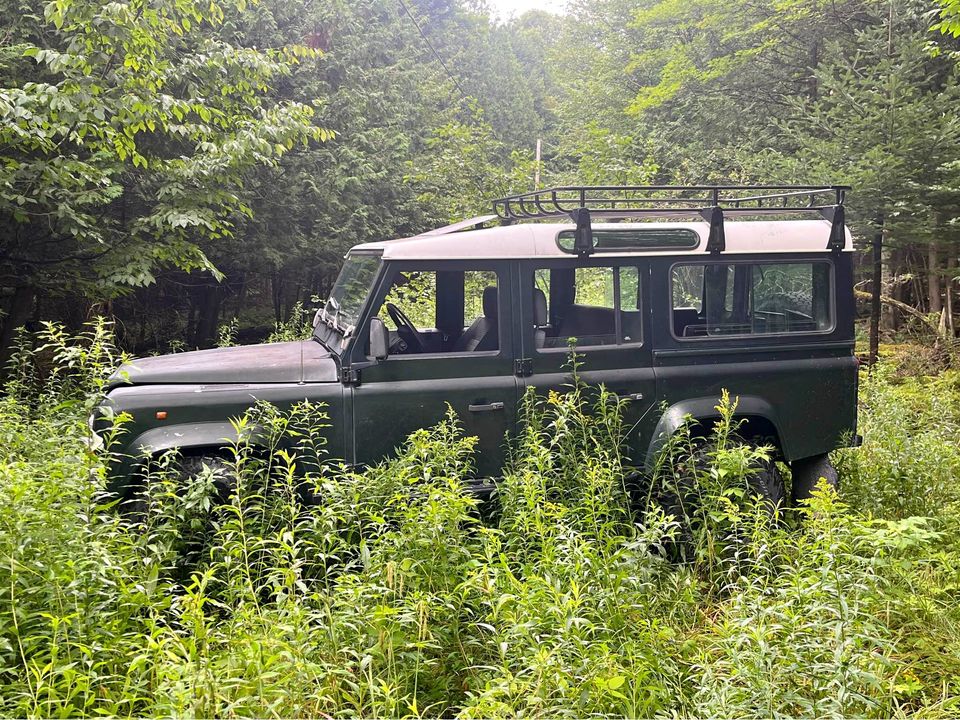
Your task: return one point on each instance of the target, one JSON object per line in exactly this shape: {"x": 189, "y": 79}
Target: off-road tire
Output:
{"x": 134, "y": 506}
{"x": 766, "y": 482}
{"x": 806, "y": 473}
{"x": 192, "y": 465}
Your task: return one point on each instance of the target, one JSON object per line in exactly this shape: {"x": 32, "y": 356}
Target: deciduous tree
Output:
{"x": 127, "y": 133}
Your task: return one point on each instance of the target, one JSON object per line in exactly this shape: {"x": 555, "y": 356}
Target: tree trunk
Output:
{"x": 876, "y": 291}
{"x": 948, "y": 305}
{"x": 889, "y": 273}
{"x": 813, "y": 88}
{"x": 21, "y": 306}
{"x": 933, "y": 277}
{"x": 276, "y": 292}
{"x": 191, "y": 330}
{"x": 208, "y": 315}
{"x": 241, "y": 295}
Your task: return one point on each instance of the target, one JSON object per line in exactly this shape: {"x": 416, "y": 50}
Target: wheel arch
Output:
{"x": 187, "y": 438}
{"x": 760, "y": 423}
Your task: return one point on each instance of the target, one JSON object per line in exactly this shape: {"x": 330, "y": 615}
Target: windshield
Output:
{"x": 349, "y": 293}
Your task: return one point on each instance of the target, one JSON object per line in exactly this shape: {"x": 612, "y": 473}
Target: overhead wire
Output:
{"x": 433, "y": 50}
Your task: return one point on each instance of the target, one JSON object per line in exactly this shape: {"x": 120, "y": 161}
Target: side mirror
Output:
{"x": 379, "y": 339}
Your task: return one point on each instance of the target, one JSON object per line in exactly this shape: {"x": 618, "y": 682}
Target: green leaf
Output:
{"x": 615, "y": 682}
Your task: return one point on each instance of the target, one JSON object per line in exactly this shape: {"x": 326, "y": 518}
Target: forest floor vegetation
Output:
{"x": 393, "y": 594}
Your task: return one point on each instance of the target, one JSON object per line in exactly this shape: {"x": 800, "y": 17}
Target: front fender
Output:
{"x": 704, "y": 410}
{"x": 185, "y": 437}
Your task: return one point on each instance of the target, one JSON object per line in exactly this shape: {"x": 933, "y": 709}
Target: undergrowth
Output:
{"x": 280, "y": 583}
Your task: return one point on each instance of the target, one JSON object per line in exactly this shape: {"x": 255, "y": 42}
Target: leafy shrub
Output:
{"x": 297, "y": 326}
{"x": 802, "y": 638}
{"x": 909, "y": 463}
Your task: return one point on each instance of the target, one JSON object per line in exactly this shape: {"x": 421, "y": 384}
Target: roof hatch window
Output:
{"x": 635, "y": 239}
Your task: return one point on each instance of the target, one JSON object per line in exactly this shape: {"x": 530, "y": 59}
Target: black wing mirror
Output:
{"x": 379, "y": 339}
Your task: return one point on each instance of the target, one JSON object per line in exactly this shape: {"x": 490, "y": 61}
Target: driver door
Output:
{"x": 457, "y": 351}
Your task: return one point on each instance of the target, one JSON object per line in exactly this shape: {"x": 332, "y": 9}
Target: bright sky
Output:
{"x": 514, "y": 8}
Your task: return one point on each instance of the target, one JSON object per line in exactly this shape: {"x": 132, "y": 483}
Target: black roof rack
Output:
{"x": 710, "y": 202}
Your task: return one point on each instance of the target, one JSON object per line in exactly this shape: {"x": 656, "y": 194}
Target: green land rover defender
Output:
{"x": 672, "y": 294}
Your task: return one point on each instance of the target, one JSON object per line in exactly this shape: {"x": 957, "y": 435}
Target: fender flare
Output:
{"x": 184, "y": 437}
{"x": 704, "y": 409}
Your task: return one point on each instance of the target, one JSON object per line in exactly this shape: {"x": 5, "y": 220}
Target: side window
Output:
{"x": 690, "y": 292}
{"x": 630, "y": 306}
{"x": 599, "y": 306}
{"x": 737, "y": 299}
{"x": 442, "y": 311}
{"x": 792, "y": 297}
{"x": 474, "y": 284}
{"x": 415, "y": 295}
{"x": 593, "y": 286}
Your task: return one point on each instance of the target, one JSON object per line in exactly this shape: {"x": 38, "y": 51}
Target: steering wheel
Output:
{"x": 405, "y": 329}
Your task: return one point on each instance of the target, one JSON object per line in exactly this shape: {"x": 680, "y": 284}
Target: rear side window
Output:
{"x": 738, "y": 299}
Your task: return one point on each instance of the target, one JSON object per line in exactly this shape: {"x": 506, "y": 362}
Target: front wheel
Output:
{"x": 192, "y": 466}
{"x": 179, "y": 477}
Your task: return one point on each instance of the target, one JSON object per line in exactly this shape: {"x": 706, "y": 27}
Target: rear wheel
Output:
{"x": 808, "y": 472}
{"x": 681, "y": 496}
{"x": 767, "y": 482}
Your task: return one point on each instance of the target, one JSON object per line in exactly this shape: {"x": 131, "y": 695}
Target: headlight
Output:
{"x": 93, "y": 441}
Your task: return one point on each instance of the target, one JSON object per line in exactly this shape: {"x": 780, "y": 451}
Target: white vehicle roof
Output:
{"x": 539, "y": 240}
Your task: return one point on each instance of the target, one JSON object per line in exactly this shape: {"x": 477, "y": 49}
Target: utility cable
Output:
{"x": 452, "y": 77}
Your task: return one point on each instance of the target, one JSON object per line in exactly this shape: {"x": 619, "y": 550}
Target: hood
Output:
{"x": 286, "y": 362}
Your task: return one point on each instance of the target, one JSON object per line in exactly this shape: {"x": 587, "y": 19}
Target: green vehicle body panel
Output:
{"x": 804, "y": 385}
{"x": 799, "y": 389}
{"x": 198, "y": 417}
{"x": 625, "y": 370}
{"x": 290, "y": 362}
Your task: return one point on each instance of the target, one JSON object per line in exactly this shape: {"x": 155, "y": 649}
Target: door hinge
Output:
{"x": 349, "y": 376}
{"x": 523, "y": 367}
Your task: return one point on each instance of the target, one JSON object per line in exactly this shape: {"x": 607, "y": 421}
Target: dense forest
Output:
{"x": 182, "y": 165}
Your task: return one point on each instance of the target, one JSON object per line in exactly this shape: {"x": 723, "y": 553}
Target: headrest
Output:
{"x": 539, "y": 308}
{"x": 490, "y": 301}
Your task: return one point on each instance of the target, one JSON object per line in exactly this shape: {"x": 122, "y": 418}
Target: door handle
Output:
{"x": 489, "y": 407}
{"x": 631, "y": 396}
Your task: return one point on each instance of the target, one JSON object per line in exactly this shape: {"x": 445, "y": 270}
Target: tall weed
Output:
{"x": 275, "y": 581}
{"x": 909, "y": 463}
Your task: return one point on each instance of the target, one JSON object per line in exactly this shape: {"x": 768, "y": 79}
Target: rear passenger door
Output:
{"x": 604, "y": 304}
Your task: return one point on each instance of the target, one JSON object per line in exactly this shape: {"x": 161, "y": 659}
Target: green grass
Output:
{"x": 394, "y": 595}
